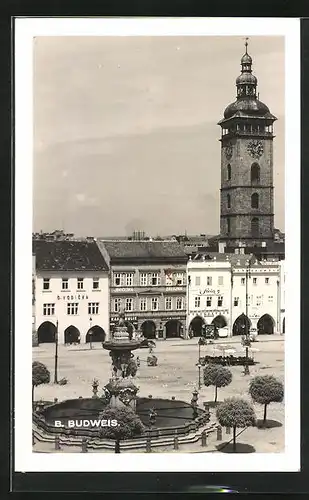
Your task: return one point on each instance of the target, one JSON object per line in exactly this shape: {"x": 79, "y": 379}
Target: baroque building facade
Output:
{"x": 247, "y": 191}
{"x": 71, "y": 292}
{"x": 147, "y": 282}
{"x": 235, "y": 292}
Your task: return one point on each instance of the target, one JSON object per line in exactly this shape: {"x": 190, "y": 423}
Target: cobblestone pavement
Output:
{"x": 176, "y": 375}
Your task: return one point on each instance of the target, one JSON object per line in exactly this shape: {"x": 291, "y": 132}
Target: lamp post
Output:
{"x": 90, "y": 334}
{"x": 56, "y": 355}
{"x": 200, "y": 342}
{"x": 246, "y": 326}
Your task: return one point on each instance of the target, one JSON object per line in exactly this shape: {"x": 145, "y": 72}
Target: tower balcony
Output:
{"x": 229, "y": 134}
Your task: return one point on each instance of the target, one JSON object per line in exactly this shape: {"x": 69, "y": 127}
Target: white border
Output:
{"x": 25, "y": 30}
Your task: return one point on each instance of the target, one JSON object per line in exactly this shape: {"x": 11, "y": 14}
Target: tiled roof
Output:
{"x": 68, "y": 256}
{"x": 144, "y": 250}
{"x": 239, "y": 260}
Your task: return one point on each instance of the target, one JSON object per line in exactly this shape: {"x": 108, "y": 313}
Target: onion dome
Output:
{"x": 247, "y": 106}
{"x": 247, "y": 102}
{"x": 246, "y": 59}
{"x": 246, "y": 78}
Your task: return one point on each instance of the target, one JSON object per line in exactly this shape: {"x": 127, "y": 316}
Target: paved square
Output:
{"x": 176, "y": 375}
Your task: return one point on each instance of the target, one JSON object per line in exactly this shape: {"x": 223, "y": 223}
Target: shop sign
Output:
{"x": 73, "y": 297}
{"x": 209, "y": 291}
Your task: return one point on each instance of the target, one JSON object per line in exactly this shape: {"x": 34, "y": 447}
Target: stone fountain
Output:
{"x": 121, "y": 389}
{"x": 163, "y": 417}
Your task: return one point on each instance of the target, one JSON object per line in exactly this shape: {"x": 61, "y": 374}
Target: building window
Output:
{"x": 154, "y": 303}
{"x": 197, "y": 302}
{"x": 143, "y": 304}
{"x": 168, "y": 303}
{"x": 179, "y": 303}
{"x": 255, "y": 229}
{"x": 220, "y": 280}
{"x": 65, "y": 284}
{"x": 155, "y": 279}
{"x": 95, "y": 283}
{"x": 259, "y": 300}
{"x": 93, "y": 307}
{"x": 118, "y": 279}
{"x": 267, "y": 281}
{"x": 72, "y": 308}
{"x": 46, "y": 284}
{"x": 242, "y": 281}
{"x": 48, "y": 309}
{"x": 254, "y": 280}
{"x": 220, "y": 301}
{"x": 255, "y": 173}
{"x": 255, "y": 200}
{"x": 270, "y": 298}
{"x": 228, "y": 221}
{"x": 229, "y": 172}
{"x": 209, "y": 280}
{"x": 236, "y": 301}
{"x": 169, "y": 278}
{"x": 129, "y": 304}
{"x": 179, "y": 279}
{"x": 80, "y": 283}
{"x": 129, "y": 279}
{"x": 208, "y": 301}
{"x": 143, "y": 279}
{"x": 228, "y": 201}
{"x": 117, "y": 304}
{"x": 197, "y": 280}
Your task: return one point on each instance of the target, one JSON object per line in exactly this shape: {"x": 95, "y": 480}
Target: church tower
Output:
{"x": 247, "y": 192}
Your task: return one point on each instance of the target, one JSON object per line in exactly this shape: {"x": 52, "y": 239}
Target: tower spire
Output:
{"x": 246, "y": 44}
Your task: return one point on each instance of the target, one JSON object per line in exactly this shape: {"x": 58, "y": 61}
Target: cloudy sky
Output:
{"x": 126, "y": 133}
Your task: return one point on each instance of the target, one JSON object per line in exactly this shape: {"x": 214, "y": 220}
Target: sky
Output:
{"x": 126, "y": 135}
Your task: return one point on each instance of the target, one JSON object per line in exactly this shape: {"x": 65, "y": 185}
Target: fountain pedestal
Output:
{"x": 121, "y": 390}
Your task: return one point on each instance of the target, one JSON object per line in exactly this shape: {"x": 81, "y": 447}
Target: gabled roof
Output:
{"x": 68, "y": 256}
{"x": 144, "y": 250}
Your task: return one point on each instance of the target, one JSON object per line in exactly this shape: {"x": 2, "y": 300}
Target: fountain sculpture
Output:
{"x": 121, "y": 389}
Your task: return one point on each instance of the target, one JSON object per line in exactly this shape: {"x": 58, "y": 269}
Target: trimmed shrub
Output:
{"x": 235, "y": 413}
{"x": 266, "y": 389}
{"x": 218, "y": 376}
{"x": 128, "y": 425}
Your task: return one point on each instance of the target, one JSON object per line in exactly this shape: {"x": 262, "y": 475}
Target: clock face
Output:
{"x": 255, "y": 149}
{"x": 228, "y": 151}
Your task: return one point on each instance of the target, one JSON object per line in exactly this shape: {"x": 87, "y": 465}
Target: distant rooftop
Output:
{"x": 145, "y": 250}
{"x": 68, "y": 256}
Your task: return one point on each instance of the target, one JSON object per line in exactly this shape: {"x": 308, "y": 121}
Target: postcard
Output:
{"x": 157, "y": 248}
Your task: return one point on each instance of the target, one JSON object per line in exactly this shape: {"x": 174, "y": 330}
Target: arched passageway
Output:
{"x": 266, "y": 325}
{"x": 173, "y": 328}
{"x": 71, "y": 335}
{"x": 241, "y": 325}
{"x": 219, "y": 321}
{"x": 95, "y": 334}
{"x": 196, "y": 326}
{"x": 46, "y": 333}
{"x": 148, "y": 329}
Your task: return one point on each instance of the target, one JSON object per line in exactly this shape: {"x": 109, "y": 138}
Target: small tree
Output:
{"x": 128, "y": 425}
{"x": 235, "y": 412}
{"x": 40, "y": 375}
{"x": 266, "y": 389}
{"x": 217, "y": 375}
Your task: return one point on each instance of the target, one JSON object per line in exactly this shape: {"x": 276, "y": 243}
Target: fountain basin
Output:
{"x": 172, "y": 415}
